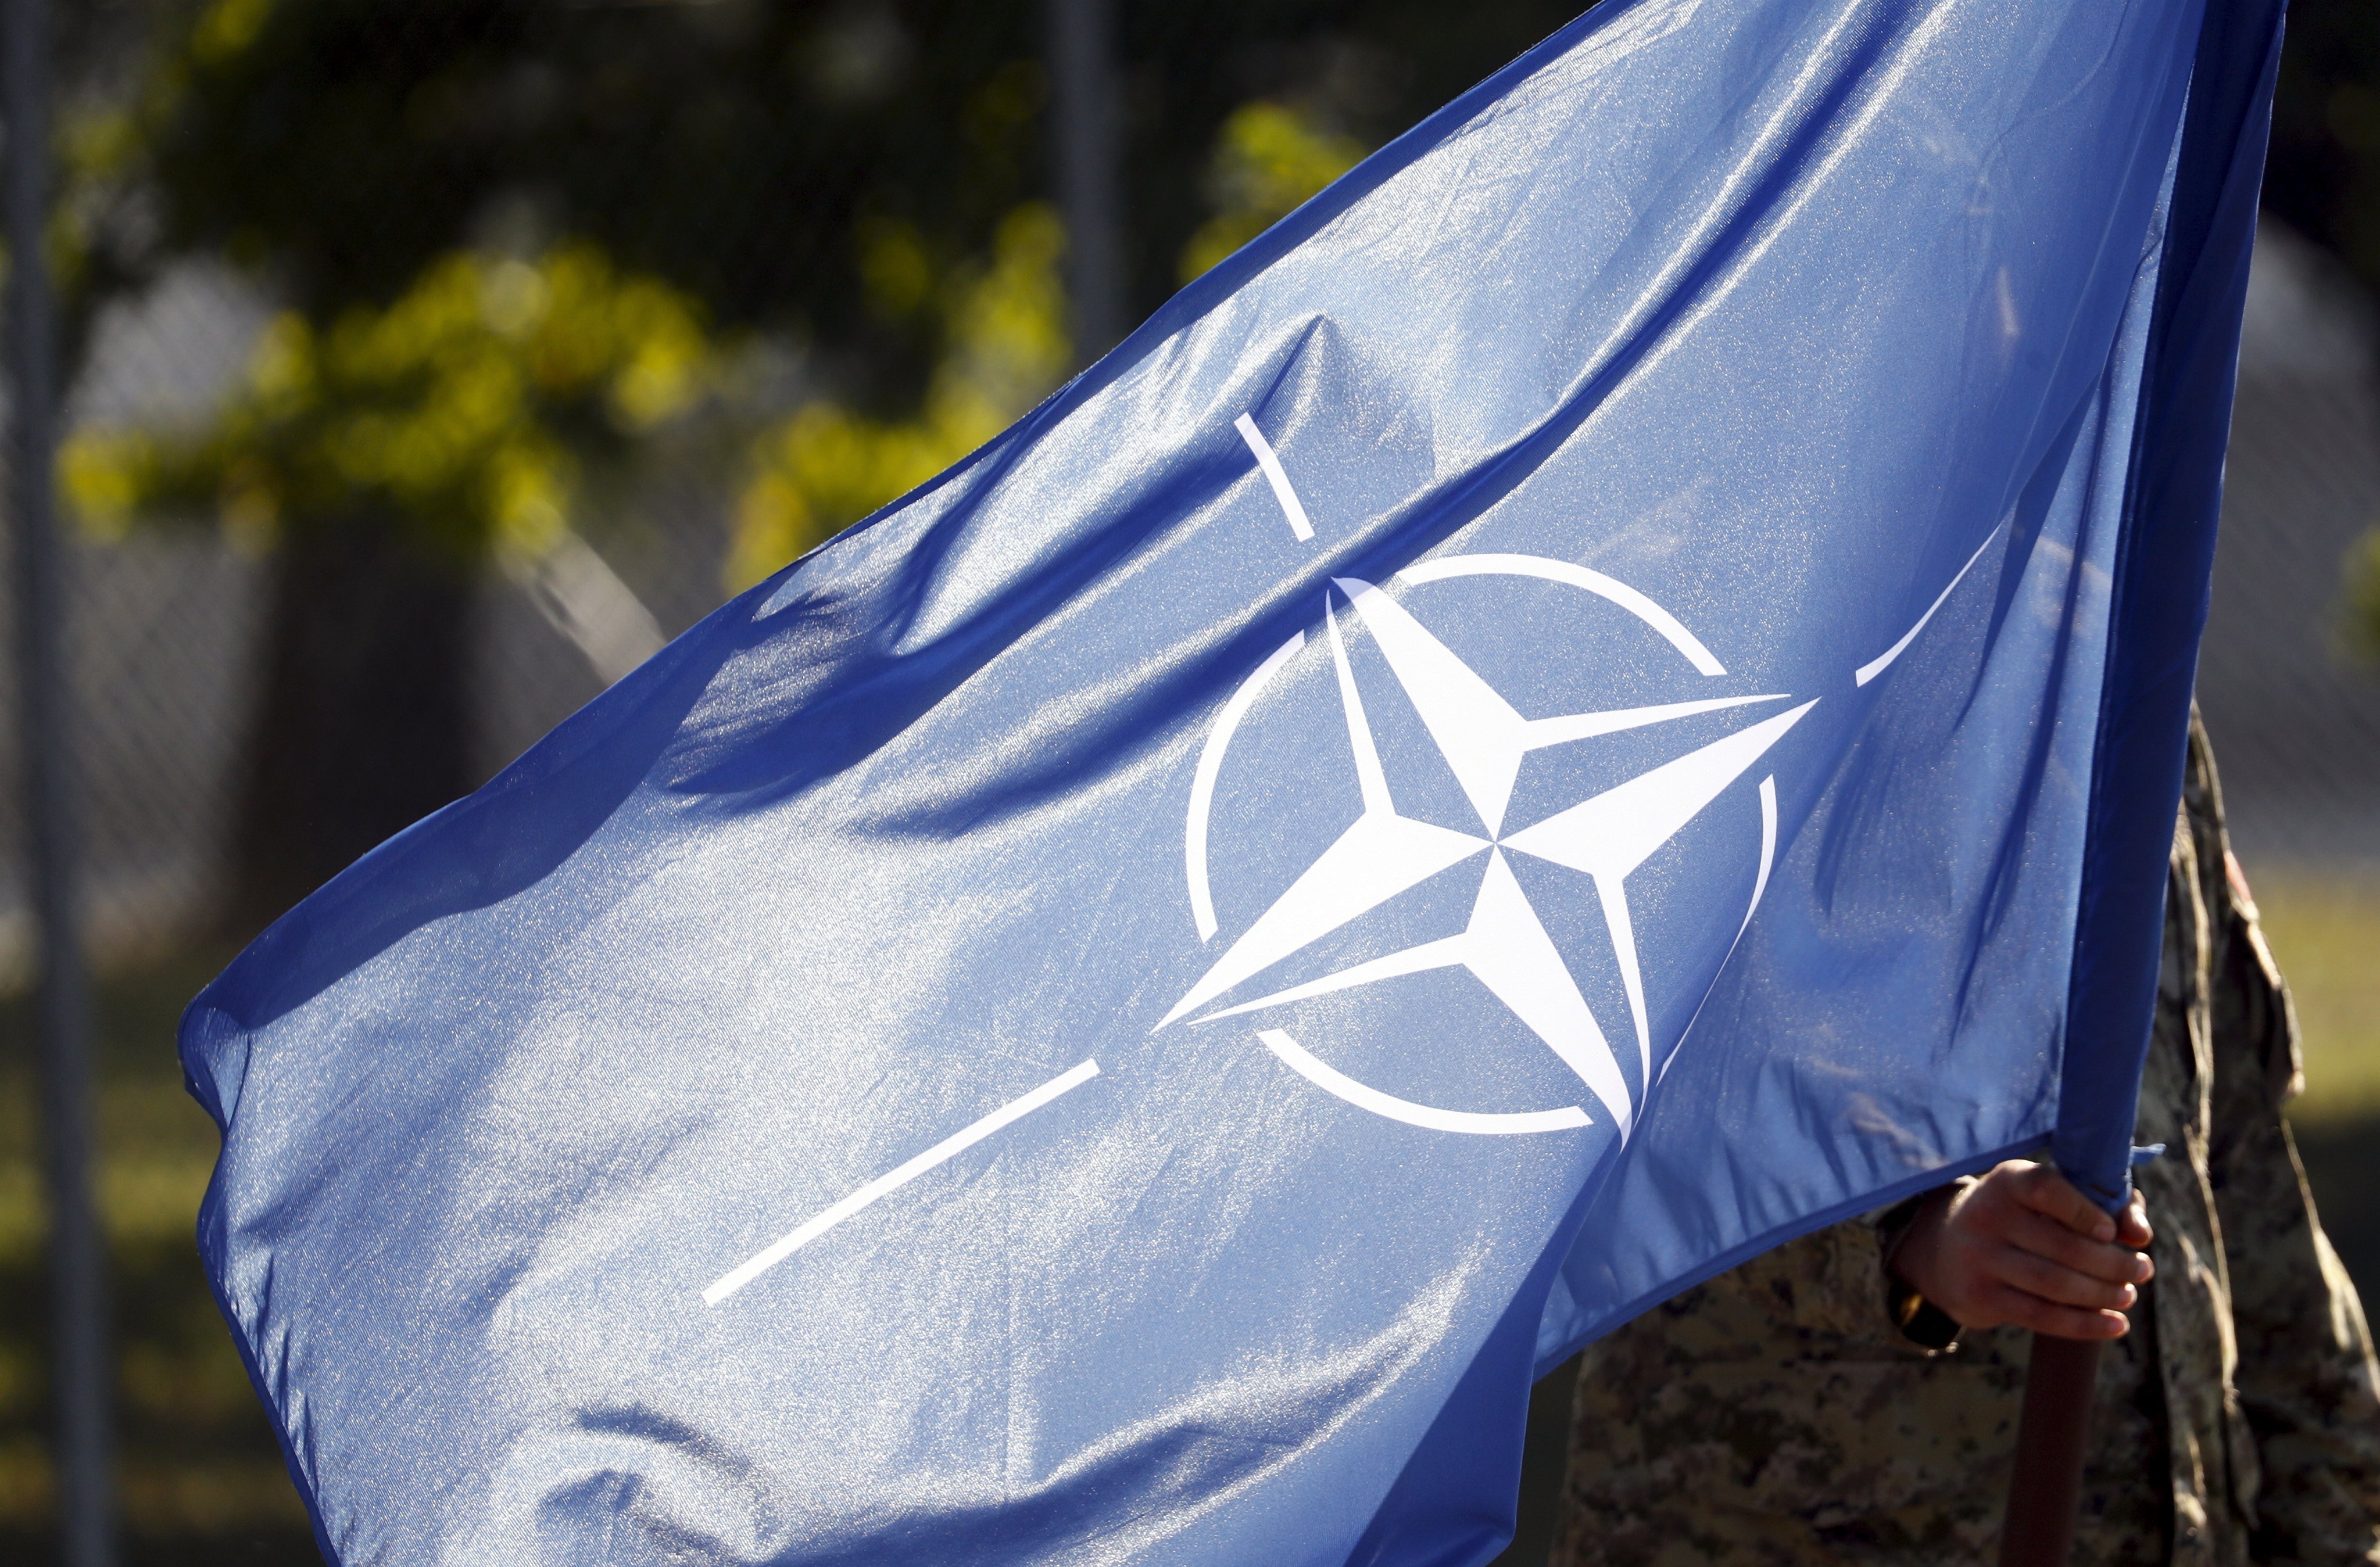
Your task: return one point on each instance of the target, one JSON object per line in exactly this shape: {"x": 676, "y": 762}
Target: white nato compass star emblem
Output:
{"x": 1483, "y": 739}
{"x": 1384, "y": 852}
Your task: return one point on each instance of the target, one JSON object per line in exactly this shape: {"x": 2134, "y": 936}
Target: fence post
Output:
{"x": 78, "y": 1298}
{"x": 1088, "y": 143}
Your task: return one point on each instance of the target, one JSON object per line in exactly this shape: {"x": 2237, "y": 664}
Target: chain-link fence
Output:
{"x": 2295, "y": 708}
{"x": 728, "y": 274}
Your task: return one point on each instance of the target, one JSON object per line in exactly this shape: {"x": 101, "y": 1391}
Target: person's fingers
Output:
{"x": 2038, "y": 1275}
{"x": 2133, "y": 1224}
{"x": 2116, "y": 1264}
{"x": 2046, "y": 1191}
{"x": 2016, "y": 1308}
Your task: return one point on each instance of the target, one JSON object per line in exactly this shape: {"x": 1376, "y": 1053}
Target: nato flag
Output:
{"x": 1610, "y": 692}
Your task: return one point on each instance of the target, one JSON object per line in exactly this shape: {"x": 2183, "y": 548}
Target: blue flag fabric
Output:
{"x": 1610, "y": 692}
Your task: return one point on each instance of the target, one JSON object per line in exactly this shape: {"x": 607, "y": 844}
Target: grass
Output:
{"x": 2324, "y": 931}
{"x": 198, "y": 1475}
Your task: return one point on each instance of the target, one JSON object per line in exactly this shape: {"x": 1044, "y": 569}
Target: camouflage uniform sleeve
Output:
{"x": 2306, "y": 1380}
{"x": 1774, "y": 1417}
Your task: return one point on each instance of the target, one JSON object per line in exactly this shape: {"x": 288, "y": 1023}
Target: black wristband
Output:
{"x": 1921, "y": 1322}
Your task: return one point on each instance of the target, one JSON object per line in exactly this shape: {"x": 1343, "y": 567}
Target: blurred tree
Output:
{"x": 444, "y": 410}
{"x": 825, "y": 466}
{"x": 381, "y": 458}
{"x": 753, "y": 156}
{"x": 850, "y": 180}
{"x": 1270, "y": 160}
{"x": 515, "y": 238}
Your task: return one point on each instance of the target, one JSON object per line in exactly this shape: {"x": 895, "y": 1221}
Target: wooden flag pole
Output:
{"x": 2046, "y": 1486}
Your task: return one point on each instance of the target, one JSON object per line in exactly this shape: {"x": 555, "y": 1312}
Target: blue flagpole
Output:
{"x": 2174, "y": 499}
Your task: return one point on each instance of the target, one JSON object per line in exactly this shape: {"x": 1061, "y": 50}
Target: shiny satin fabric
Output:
{"x": 1541, "y": 729}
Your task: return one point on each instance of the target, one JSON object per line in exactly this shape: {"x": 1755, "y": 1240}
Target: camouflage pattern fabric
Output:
{"x": 1774, "y": 1415}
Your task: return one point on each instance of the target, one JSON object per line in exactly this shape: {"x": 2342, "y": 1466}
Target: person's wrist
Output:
{"x": 1908, "y": 1235}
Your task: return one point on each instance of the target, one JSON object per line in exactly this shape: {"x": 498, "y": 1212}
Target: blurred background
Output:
{"x": 425, "y": 364}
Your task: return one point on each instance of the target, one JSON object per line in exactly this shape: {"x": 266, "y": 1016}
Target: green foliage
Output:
{"x": 1004, "y": 325}
{"x": 1268, "y": 160}
{"x": 854, "y": 179}
{"x": 458, "y": 408}
{"x": 2362, "y": 572}
{"x": 512, "y": 235}
{"x": 729, "y": 150}
{"x": 2324, "y": 926}
{"x": 827, "y": 466}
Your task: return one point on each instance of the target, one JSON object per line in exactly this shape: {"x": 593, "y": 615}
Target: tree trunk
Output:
{"x": 361, "y": 728}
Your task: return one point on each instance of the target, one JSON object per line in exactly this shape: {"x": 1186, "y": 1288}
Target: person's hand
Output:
{"x": 2019, "y": 1245}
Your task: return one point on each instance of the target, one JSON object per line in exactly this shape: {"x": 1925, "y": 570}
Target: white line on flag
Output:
{"x": 1276, "y": 475}
{"x": 956, "y": 1143}
{"x": 1883, "y": 661}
